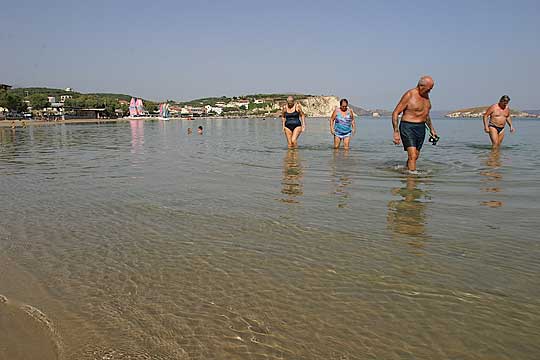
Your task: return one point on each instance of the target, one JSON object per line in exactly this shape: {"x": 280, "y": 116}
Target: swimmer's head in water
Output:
{"x": 290, "y": 101}
{"x": 343, "y": 104}
{"x": 505, "y": 99}
{"x": 425, "y": 84}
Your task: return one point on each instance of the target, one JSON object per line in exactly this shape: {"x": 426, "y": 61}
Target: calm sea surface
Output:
{"x": 138, "y": 241}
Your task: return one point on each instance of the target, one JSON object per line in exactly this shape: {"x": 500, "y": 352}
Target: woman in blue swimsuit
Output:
{"x": 293, "y": 121}
{"x": 342, "y": 124}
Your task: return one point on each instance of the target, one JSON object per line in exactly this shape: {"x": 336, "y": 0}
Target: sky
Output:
{"x": 367, "y": 51}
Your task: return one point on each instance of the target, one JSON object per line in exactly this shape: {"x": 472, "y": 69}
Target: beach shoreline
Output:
{"x": 23, "y": 123}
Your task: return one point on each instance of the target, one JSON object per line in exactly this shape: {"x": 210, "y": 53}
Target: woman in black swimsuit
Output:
{"x": 293, "y": 122}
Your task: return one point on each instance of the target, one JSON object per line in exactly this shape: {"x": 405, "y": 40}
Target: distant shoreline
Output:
{"x": 28, "y": 122}
{"x": 19, "y": 123}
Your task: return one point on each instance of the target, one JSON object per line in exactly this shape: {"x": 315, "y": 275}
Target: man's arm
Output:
{"x": 400, "y": 107}
{"x": 487, "y": 114}
{"x": 509, "y": 121}
{"x": 430, "y": 126}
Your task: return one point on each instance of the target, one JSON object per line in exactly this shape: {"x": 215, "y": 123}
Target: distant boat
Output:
{"x": 132, "y": 108}
{"x": 140, "y": 107}
{"x": 164, "y": 112}
{"x": 136, "y": 109}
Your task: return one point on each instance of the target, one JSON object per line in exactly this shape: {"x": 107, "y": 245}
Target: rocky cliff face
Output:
{"x": 322, "y": 106}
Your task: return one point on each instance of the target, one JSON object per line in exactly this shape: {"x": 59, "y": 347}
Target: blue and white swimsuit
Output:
{"x": 343, "y": 124}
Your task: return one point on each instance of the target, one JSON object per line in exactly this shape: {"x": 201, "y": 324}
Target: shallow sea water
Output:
{"x": 138, "y": 241}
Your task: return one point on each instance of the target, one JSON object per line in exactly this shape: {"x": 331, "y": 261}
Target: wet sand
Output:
{"x": 26, "y": 332}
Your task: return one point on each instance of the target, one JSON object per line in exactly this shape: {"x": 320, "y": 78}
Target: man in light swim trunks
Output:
{"x": 499, "y": 115}
{"x": 342, "y": 124}
{"x": 415, "y": 106}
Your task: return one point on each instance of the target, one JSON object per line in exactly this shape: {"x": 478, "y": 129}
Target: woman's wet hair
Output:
{"x": 343, "y": 101}
{"x": 505, "y": 98}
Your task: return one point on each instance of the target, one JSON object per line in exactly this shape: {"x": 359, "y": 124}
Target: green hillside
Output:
{"x": 37, "y": 98}
{"x": 213, "y": 100}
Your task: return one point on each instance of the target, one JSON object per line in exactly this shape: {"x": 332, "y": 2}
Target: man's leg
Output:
{"x": 494, "y": 137}
{"x": 412, "y": 156}
{"x": 501, "y": 137}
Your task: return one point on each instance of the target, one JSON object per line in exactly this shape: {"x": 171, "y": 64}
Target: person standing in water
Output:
{"x": 293, "y": 122}
{"x": 342, "y": 124}
{"x": 499, "y": 115}
{"x": 415, "y": 106}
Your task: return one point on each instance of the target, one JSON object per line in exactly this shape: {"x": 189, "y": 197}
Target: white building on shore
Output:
{"x": 214, "y": 109}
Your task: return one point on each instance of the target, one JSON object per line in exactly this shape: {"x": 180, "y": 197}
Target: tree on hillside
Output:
{"x": 38, "y": 101}
{"x": 150, "y": 107}
{"x": 72, "y": 103}
{"x": 12, "y": 102}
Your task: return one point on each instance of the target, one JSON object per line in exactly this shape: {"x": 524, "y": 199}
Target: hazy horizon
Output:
{"x": 368, "y": 52}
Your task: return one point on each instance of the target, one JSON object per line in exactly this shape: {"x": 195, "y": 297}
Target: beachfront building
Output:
{"x": 98, "y": 113}
{"x": 63, "y": 98}
{"x": 198, "y": 111}
{"x": 214, "y": 109}
{"x": 51, "y": 99}
{"x": 243, "y": 103}
{"x": 174, "y": 110}
{"x": 237, "y": 104}
{"x": 192, "y": 111}
{"x": 259, "y": 101}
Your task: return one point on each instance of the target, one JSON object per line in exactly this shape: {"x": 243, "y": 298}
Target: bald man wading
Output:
{"x": 415, "y": 106}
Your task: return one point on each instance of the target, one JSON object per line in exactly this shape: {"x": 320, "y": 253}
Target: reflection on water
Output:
{"x": 292, "y": 183}
{"x": 492, "y": 178}
{"x": 340, "y": 177}
{"x": 7, "y": 136}
{"x": 137, "y": 136}
{"x": 407, "y": 216}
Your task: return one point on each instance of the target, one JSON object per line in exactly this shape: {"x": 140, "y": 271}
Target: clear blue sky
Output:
{"x": 367, "y": 51}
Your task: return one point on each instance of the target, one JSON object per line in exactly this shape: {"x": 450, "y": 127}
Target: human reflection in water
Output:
{"x": 492, "y": 177}
{"x": 7, "y": 136}
{"x": 340, "y": 178}
{"x": 292, "y": 184}
{"x": 407, "y": 216}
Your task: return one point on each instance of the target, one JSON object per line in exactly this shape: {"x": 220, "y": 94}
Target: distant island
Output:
{"x": 40, "y": 102}
{"x": 478, "y": 112}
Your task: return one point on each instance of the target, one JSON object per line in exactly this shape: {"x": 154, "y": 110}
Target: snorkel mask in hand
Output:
{"x": 433, "y": 139}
